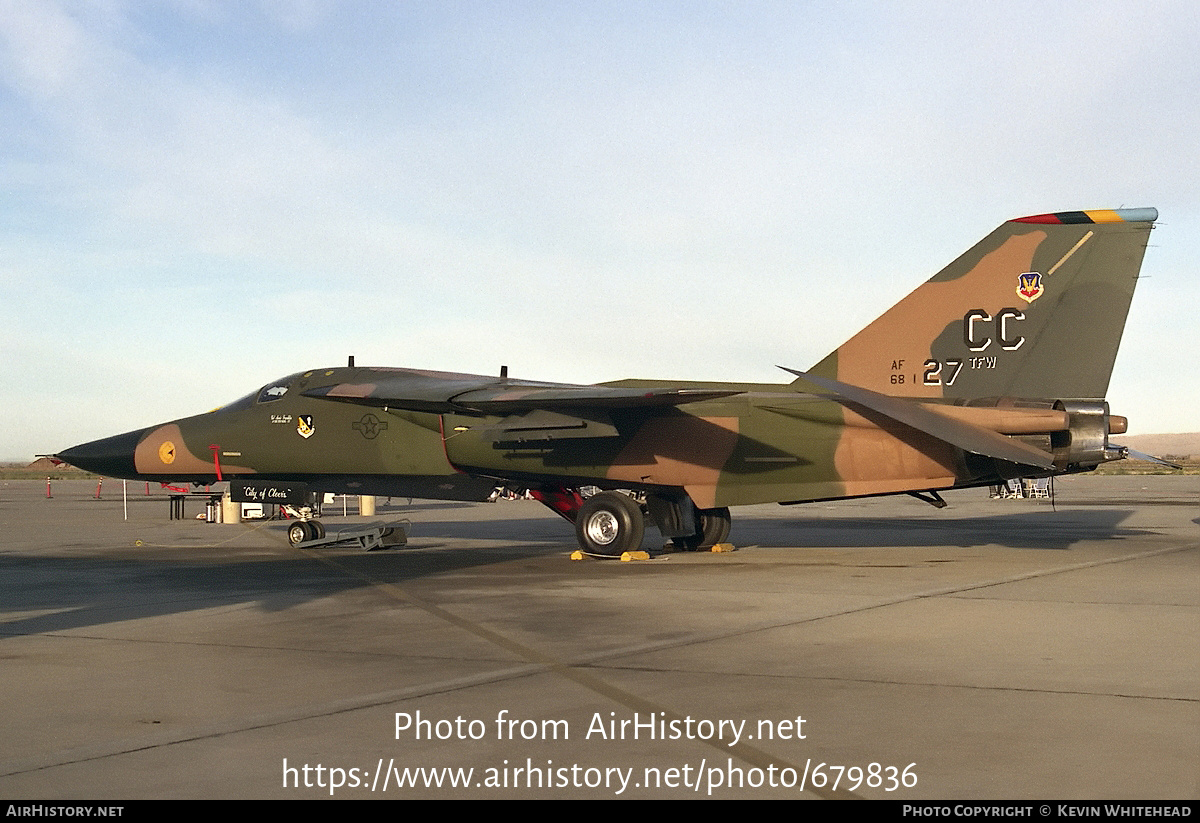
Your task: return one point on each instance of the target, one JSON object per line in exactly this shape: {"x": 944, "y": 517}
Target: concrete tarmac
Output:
{"x": 994, "y": 649}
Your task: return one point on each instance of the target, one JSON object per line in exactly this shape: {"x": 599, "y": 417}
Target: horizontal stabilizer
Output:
{"x": 1137, "y": 455}
{"x": 955, "y": 432}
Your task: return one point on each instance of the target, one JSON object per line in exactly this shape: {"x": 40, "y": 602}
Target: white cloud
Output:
{"x": 44, "y": 48}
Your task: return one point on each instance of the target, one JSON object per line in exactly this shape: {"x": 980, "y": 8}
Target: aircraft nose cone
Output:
{"x": 111, "y": 457}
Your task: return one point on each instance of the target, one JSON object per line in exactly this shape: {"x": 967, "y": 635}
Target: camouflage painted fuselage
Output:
{"x": 995, "y": 368}
{"x": 764, "y": 444}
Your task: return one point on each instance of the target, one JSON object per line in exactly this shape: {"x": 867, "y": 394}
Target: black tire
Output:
{"x": 714, "y": 526}
{"x": 298, "y": 532}
{"x": 714, "y": 529}
{"x": 317, "y": 529}
{"x": 610, "y": 523}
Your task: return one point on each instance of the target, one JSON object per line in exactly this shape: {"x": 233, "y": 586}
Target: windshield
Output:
{"x": 273, "y": 391}
{"x": 267, "y": 394}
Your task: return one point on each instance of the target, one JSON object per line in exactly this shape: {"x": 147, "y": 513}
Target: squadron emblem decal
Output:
{"x": 166, "y": 452}
{"x": 1029, "y": 286}
{"x": 304, "y": 426}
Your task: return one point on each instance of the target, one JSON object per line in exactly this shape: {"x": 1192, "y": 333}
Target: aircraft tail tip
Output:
{"x": 1147, "y": 215}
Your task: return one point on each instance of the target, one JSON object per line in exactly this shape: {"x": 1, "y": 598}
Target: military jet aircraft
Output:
{"x": 995, "y": 368}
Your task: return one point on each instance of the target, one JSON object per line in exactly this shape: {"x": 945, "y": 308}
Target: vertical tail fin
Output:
{"x": 1035, "y": 309}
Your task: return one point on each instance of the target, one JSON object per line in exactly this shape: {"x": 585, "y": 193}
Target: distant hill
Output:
{"x": 45, "y": 464}
{"x": 39, "y": 469}
{"x": 1177, "y": 445}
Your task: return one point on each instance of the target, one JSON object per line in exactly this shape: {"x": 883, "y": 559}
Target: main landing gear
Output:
{"x": 612, "y": 522}
{"x": 714, "y": 529}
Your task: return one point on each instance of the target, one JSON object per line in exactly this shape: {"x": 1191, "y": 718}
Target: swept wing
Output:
{"x": 441, "y": 393}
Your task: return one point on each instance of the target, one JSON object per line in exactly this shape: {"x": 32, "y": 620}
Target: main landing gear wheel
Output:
{"x": 714, "y": 529}
{"x": 610, "y": 523}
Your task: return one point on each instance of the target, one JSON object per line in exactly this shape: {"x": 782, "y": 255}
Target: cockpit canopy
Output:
{"x": 269, "y": 393}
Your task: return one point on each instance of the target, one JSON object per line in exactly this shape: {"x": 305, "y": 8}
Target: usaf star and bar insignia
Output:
{"x": 370, "y": 426}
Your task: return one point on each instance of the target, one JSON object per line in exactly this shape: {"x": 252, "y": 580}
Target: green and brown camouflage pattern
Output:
{"x": 1064, "y": 342}
{"x": 995, "y": 368}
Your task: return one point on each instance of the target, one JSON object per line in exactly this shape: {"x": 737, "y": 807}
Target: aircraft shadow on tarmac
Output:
{"x": 1045, "y": 530}
{"x": 68, "y": 593}
{"x": 76, "y": 592}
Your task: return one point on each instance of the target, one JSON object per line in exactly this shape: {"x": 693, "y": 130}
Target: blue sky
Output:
{"x": 199, "y": 197}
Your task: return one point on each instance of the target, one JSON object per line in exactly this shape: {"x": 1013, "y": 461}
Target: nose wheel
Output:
{"x": 303, "y": 530}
